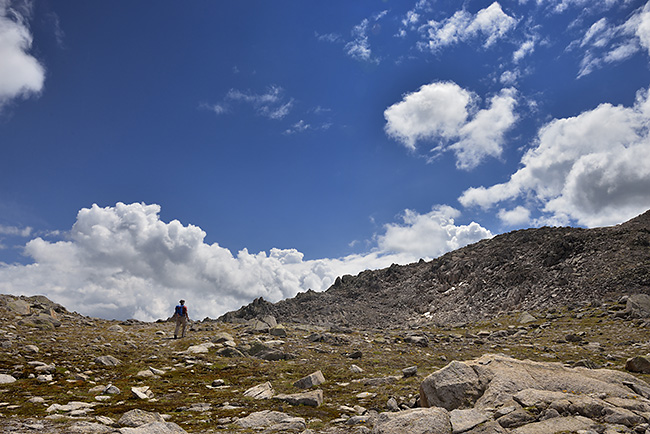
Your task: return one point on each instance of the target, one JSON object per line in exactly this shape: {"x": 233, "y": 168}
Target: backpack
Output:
{"x": 180, "y": 310}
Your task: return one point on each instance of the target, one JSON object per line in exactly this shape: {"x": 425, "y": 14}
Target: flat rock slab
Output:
{"x": 464, "y": 420}
{"x": 154, "y": 428}
{"x": 433, "y": 420}
{"x": 262, "y": 419}
{"x": 261, "y": 391}
{"x": 89, "y": 428}
{"x": 137, "y": 417}
{"x": 70, "y": 406}
{"x": 313, "y": 398}
{"x": 491, "y": 381}
{"x": 557, "y": 425}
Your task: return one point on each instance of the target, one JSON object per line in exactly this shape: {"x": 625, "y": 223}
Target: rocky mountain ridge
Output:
{"x": 521, "y": 270}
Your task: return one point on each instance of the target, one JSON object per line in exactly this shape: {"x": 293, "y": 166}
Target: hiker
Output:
{"x": 181, "y": 317}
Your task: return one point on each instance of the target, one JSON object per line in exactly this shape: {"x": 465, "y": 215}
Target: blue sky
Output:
{"x": 222, "y": 151}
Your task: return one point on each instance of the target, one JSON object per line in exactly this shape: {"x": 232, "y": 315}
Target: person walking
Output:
{"x": 181, "y": 317}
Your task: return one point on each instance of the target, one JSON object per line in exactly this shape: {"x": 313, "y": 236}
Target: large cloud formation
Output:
{"x": 593, "y": 168}
{"x": 608, "y": 43}
{"x": 447, "y": 115}
{"x": 124, "y": 262}
{"x": 21, "y": 74}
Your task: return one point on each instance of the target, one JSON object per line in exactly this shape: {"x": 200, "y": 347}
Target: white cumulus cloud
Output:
{"x": 21, "y": 74}
{"x": 593, "y": 169}
{"x": 123, "y": 261}
{"x": 446, "y": 114}
{"x": 430, "y": 235}
{"x": 490, "y": 24}
{"x": 514, "y": 217}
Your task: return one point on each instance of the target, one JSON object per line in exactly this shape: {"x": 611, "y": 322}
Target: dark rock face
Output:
{"x": 526, "y": 269}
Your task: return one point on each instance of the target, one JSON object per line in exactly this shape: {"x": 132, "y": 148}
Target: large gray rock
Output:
{"x": 137, "y": 417}
{"x": 154, "y": 428}
{"x": 638, "y": 305}
{"x": 262, "y": 419}
{"x": 85, "y": 427}
{"x": 492, "y": 380}
{"x": 19, "y": 307}
{"x": 416, "y": 421}
{"x": 41, "y": 321}
{"x": 527, "y": 397}
{"x": 454, "y": 386}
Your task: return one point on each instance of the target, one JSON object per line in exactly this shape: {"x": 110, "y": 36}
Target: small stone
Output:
{"x": 107, "y": 361}
{"x": 156, "y": 371}
{"x": 572, "y": 337}
{"x": 355, "y": 369}
{"x": 312, "y": 398}
{"x": 278, "y": 331}
{"x": 261, "y": 391}
{"x": 311, "y": 380}
{"x": 526, "y": 318}
{"x": 6, "y": 379}
{"x": 638, "y": 364}
{"x": 410, "y": 371}
{"x": 112, "y": 390}
{"x": 44, "y": 378}
{"x": 142, "y": 392}
{"x": 392, "y": 404}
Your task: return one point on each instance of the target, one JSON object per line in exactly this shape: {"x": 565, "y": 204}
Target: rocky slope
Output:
{"x": 578, "y": 368}
{"x": 525, "y": 269}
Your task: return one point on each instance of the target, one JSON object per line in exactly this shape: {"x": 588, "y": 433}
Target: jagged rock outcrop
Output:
{"x": 523, "y": 396}
{"x": 526, "y": 269}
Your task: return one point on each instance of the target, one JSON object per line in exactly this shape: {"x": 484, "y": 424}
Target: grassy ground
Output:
{"x": 600, "y": 339}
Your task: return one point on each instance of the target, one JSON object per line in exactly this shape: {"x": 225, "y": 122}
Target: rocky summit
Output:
{"x": 551, "y": 338}
{"x": 521, "y": 270}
